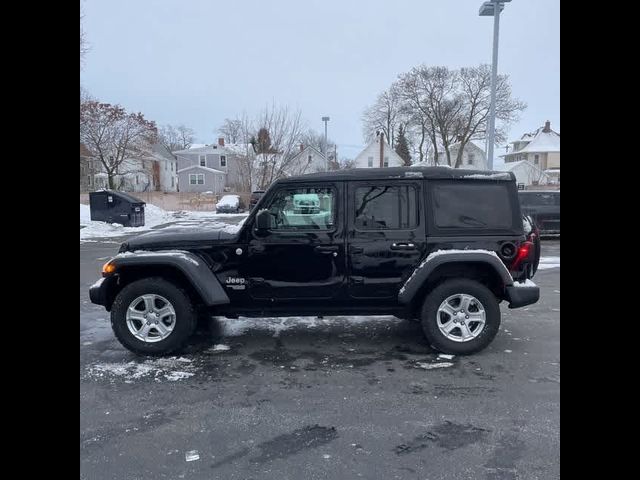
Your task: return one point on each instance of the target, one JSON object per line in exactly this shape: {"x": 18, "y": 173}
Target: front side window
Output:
{"x": 470, "y": 159}
{"x": 536, "y": 159}
{"x": 303, "y": 208}
{"x": 382, "y": 207}
{"x": 370, "y": 162}
{"x": 386, "y": 161}
{"x": 203, "y": 161}
{"x": 223, "y": 161}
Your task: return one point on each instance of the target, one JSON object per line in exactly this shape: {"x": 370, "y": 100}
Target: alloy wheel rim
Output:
{"x": 461, "y": 317}
{"x": 151, "y": 318}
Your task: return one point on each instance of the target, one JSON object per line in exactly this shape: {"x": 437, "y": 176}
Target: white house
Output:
{"x": 156, "y": 171}
{"x": 527, "y": 173}
{"x": 473, "y": 155}
{"x": 541, "y": 147}
{"x": 307, "y": 160}
{"x": 378, "y": 154}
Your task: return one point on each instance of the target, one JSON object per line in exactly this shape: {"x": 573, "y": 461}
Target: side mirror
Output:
{"x": 263, "y": 222}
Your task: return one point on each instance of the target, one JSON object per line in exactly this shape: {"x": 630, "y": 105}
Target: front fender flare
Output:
{"x": 421, "y": 274}
{"x": 193, "y": 267}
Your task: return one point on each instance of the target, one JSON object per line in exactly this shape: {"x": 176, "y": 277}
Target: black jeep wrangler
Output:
{"x": 439, "y": 245}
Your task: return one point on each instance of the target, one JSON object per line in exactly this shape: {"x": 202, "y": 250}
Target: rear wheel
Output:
{"x": 152, "y": 316}
{"x": 460, "y": 317}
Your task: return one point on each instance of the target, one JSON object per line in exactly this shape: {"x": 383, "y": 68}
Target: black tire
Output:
{"x": 429, "y": 318}
{"x": 185, "y": 312}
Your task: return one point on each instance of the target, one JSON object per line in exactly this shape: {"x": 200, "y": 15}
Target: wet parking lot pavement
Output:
{"x": 310, "y": 398}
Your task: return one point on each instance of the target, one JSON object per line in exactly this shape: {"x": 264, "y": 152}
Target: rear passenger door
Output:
{"x": 386, "y": 236}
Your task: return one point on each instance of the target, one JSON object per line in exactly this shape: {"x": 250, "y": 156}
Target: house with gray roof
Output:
{"x": 210, "y": 168}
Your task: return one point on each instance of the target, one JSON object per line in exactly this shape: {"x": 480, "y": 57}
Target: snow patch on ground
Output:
{"x": 153, "y": 217}
{"x": 170, "y": 368}
{"x": 549, "y": 262}
{"x": 219, "y": 348}
{"x": 431, "y": 366}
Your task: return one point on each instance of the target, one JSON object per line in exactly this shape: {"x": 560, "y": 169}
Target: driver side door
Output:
{"x": 301, "y": 256}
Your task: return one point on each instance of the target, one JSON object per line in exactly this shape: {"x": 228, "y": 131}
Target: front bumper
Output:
{"x": 521, "y": 296}
{"x": 98, "y": 292}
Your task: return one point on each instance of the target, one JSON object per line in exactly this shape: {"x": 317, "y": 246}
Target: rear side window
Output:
{"x": 474, "y": 206}
{"x": 383, "y": 207}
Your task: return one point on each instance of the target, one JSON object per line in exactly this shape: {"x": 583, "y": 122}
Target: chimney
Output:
{"x": 301, "y": 147}
{"x": 381, "y": 149}
{"x": 221, "y": 141}
{"x": 547, "y": 127}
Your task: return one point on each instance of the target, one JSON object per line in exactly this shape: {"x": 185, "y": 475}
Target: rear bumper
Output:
{"x": 521, "y": 296}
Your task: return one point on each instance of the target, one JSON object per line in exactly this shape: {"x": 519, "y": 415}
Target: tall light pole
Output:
{"x": 488, "y": 9}
{"x": 326, "y": 157}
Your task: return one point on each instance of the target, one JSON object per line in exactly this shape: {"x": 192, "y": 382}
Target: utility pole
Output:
{"x": 326, "y": 157}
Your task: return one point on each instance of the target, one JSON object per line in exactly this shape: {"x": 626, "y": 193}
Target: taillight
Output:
{"x": 523, "y": 253}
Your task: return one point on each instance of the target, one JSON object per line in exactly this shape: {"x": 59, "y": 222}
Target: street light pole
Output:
{"x": 326, "y": 157}
{"x": 494, "y": 8}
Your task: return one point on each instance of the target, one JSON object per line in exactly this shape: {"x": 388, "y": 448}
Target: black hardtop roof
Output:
{"x": 402, "y": 173}
{"x": 122, "y": 195}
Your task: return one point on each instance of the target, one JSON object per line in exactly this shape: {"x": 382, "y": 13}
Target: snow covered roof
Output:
{"x": 542, "y": 140}
{"x": 229, "y": 149}
{"x": 239, "y": 148}
{"x": 206, "y": 169}
{"x": 509, "y": 166}
{"x": 476, "y": 143}
{"x": 306, "y": 149}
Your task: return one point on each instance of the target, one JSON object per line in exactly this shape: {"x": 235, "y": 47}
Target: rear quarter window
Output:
{"x": 473, "y": 206}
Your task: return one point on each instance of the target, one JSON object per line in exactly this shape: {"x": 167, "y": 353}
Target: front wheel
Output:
{"x": 460, "y": 317}
{"x": 152, "y": 316}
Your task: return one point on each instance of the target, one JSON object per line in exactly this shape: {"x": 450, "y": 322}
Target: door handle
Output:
{"x": 356, "y": 250}
{"x": 326, "y": 250}
{"x": 403, "y": 246}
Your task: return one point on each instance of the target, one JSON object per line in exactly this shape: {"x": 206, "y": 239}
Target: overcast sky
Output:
{"x": 199, "y": 61}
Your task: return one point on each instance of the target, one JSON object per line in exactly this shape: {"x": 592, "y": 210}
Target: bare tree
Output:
{"x": 115, "y": 137}
{"x": 315, "y": 139}
{"x": 232, "y": 130}
{"x": 175, "y": 138}
{"x": 346, "y": 163}
{"x": 475, "y": 88}
{"x": 84, "y": 46}
{"x": 284, "y": 129}
{"x": 452, "y": 106}
{"x": 383, "y": 116}
{"x": 416, "y": 93}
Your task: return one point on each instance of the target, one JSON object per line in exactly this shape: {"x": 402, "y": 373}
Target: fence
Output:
{"x": 173, "y": 201}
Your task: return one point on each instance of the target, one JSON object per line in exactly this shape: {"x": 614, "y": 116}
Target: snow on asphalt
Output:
{"x": 549, "y": 262}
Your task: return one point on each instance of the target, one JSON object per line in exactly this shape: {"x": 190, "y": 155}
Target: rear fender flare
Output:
{"x": 421, "y": 274}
